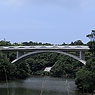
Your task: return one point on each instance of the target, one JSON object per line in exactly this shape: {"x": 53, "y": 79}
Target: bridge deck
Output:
{"x": 29, "y": 48}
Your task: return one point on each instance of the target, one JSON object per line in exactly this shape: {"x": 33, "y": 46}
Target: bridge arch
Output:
{"x": 46, "y": 51}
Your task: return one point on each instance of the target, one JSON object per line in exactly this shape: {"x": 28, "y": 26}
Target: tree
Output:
{"x": 91, "y": 44}
{"x": 91, "y": 36}
{"x": 22, "y": 70}
{"x": 16, "y": 44}
{"x": 25, "y": 44}
{"x": 85, "y": 80}
{"x": 85, "y": 77}
{"x": 5, "y": 43}
{"x": 78, "y": 42}
{"x": 7, "y": 69}
{"x": 58, "y": 69}
{"x": 65, "y": 67}
{"x": 64, "y": 43}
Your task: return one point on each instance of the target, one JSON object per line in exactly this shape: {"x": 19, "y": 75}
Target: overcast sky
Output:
{"x": 54, "y": 21}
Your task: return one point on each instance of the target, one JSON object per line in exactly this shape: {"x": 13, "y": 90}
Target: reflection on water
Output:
{"x": 34, "y": 85}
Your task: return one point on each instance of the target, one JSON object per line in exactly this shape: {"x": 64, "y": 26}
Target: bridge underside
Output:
{"x": 23, "y": 56}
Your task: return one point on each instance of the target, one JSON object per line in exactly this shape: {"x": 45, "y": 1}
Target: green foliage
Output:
{"x": 5, "y": 43}
{"x": 65, "y": 67}
{"x": 36, "y": 65}
{"x": 16, "y": 44}
{"x": 22, "y": 70}
{"x": 12, "y": 71}
{"x": 90, "y": 65}
{"x": 85, "y": 78}
{"x": 91, "y": 45}
{"x": 6, "y": 68}
{"x": 40, "y": 61}
{"x": 11, "y": 56}
{"x": 78, "y": 42}
{"x": 30, "y": 43}
{"x": 33, "y": 43}
{"x": 57, "y": 70}
{"x": 91, "y": 36}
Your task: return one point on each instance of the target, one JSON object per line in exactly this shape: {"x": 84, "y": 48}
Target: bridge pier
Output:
{"x": 19, "y": 53}
{"x": 82, "y": 55}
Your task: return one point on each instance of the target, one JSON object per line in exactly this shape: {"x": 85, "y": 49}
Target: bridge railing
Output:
{"x": 48, "y": 47}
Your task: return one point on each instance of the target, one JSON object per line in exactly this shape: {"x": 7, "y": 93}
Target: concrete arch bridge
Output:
{"x": 24, "y": 52}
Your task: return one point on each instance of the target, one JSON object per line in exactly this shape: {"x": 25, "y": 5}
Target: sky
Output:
{"x": 52, "y": 21}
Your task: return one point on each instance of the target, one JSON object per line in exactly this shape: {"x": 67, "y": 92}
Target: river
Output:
{"x": 39, "y": 86}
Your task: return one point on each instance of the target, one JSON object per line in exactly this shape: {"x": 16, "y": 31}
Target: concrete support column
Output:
{"x": 82, "y": 55}
{"x": 19, "y": 53}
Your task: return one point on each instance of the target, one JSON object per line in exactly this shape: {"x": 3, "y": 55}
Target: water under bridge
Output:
{"x": 26, "y": 51}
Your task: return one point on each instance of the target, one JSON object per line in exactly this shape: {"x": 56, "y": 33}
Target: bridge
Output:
{"x": 24, "y": 52}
